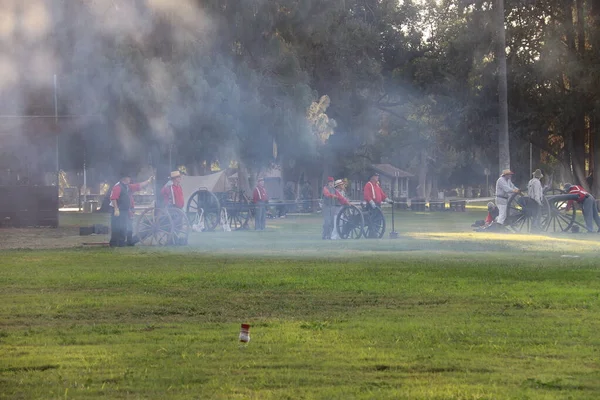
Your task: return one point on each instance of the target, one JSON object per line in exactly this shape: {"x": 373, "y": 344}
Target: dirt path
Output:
{"x": 45, "y": 238}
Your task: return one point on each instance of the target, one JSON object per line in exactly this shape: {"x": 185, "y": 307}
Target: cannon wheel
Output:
{"x": 207, "y": 201}
{"x": 155, "y": 227}
{"x": 181, "y": 226}
{"x": 559, "y": 219}
{"x": 350, "y": 222}
{"x": 374, "y": 227}
{"x": 238, "y": 212}
{"x": 519, "y": 218}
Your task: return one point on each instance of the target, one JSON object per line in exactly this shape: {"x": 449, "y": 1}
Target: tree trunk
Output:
{"x": 580, "y": 134}
{"x": 422, "y": 188}
{"x": 575, "y": 130}
{"x": 595, "y": 149}
{"x": 594, "y": 38}
{"x": 503, "y": 138}
{"x": 243, "y": 179}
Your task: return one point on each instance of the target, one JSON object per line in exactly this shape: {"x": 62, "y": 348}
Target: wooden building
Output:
{"x": 393, "y": 181}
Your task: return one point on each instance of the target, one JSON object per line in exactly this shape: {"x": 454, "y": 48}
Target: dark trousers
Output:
{"x": 328, "y": 216}
{"x": 260, "y": 216}
{"x": 121, "y": 230}
{"x": 590, "y": 213}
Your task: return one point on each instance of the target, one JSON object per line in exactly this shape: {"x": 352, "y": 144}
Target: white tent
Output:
{"x": 216, "y": 183}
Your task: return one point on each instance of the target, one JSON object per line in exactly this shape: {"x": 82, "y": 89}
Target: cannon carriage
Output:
{"x": 232, "y": 205}
{"x": 354, "y": 222}
{"x": 558, "y": 212}
{"x": 215, "y": 199}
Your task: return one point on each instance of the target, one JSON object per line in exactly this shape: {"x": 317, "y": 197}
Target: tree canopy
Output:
{"x": 333, "y": 85}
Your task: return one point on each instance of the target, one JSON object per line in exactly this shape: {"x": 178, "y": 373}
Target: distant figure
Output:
{"x": 536, "y": 194}
{"x": 329, "y": 201}
{"x": 172, "y": 192}
{"x": 588, "y": 203}
{"x": 373, "y": 194}
{"x": 469, "y": 192}
{"x": 504, "y": 188}
{"x": 260, "y": 198}
{"x": 121, "y": 198}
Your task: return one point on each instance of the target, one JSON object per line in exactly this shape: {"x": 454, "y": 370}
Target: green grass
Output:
{"x": 441, "y": 313}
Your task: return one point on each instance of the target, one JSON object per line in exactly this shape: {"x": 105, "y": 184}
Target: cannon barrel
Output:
{"x": 555, "y": 198}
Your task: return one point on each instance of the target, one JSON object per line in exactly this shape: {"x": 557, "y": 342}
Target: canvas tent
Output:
{"x": 216, "y": 183}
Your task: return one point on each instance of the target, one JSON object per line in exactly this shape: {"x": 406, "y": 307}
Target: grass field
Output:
{"x": 440, "y": 313}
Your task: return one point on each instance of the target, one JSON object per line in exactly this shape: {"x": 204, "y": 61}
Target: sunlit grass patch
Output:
{"x": 580, "y": 243}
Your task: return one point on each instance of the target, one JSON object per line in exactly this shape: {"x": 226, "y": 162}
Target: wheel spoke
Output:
{"x": 567, "y": 221}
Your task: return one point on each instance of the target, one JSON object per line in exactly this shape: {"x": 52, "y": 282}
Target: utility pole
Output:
{"x": 503, "y": 139}
{"x": 57, "y": 132}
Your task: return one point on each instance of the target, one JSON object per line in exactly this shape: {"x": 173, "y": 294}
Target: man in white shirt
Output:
{"x": 504, "y": 188}
{"x": 536, "y": 194}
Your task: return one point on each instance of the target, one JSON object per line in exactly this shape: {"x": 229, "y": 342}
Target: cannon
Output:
{"x": 556, "y": 216}
{"x": 561, "y": 217}
{"x": 352, "y": 222}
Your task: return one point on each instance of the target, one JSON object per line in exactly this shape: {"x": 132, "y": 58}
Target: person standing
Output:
{"x": 373, "y": 194}
{"x": 339, "y": 201}
{"x": 588, "y": 204}
{"x": 504, "y": 188}
{"x": 121, "y": 222}
{"x": 536, "y": 194}
{"x": 172, "y": 192}
{"x": 329, "y": 199}
{"x": 172, "y": 196}
{"x": 260, "y": 198}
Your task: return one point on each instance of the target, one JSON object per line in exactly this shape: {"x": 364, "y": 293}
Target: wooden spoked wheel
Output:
{"x": 374, "y": 226}
{"x": 238, "y": 210}
{"x": 349, "y": 222}
{"x": 181, "y": 226}
{"x": 204, "y": 201}
{"x": 155, "y": 227}
{"x": 562, "y": 214}
{"x": 520, "y": 213}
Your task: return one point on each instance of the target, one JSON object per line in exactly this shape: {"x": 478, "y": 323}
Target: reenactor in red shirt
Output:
{"x": 340, "y": 201}
{"x": 172, "y": 192}
{"x": 588, "y": 204}
{"x": 121, "y": 222}
{"x": 373, "y": 194}
{"x": 329, "y": 200}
